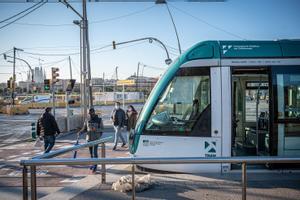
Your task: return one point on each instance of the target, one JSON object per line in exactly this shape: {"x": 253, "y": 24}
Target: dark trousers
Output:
{"x": 94, "y": 151}
{"x": 49, "y": 141}
{"x": 94, "y": 154}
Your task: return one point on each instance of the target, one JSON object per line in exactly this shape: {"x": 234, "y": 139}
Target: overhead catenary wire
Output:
{"x": 209, "y": 24}
{"x": 11, "y": 22}
{"x": 15, "y": 15}
{"x": 91, "y": 22}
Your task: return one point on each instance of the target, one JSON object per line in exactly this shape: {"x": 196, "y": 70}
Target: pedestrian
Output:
{"x": 118, "y": 118}
{"x": 94, "y": 128}
{"x": 47, "y": 129}
{"x": 131, "y": 116}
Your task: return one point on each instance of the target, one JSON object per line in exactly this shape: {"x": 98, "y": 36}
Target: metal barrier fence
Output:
{"x": 159, "y": 160}
{"x": 57, "y": 153}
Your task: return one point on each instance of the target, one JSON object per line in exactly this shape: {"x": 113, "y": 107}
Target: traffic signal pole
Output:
{"x": 14, "y": 78}
{"x": 53, "y": 98}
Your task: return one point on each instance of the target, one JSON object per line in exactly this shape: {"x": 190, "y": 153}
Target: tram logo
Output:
{"x": 210, "y": 149}
{"x": 225, "y": 48}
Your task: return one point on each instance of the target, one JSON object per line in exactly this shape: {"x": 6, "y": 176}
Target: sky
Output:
{"x": 49, "y": 30}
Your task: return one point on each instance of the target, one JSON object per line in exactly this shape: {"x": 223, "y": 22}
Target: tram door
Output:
{"x": 250, "y": 112}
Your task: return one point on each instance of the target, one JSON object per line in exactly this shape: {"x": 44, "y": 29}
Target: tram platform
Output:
{"x": 262, "y": 184}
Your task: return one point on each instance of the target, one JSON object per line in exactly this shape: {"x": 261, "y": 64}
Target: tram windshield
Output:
{"x": 184, "y": 106}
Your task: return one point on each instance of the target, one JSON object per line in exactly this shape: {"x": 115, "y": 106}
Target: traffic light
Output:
{"x": 9, "y": 82}
{"x": 71, "y": 85}
{"x": 114, "y": 44}
{"x": 55, "y": 74}
{"x": 47, "y": 84}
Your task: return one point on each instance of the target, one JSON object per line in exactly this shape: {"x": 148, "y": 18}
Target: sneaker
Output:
{"x": 123, "y": 145}
{"x": 114, "y": 148}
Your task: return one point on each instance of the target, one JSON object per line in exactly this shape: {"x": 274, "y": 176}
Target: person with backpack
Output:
{"x": 47, "y": 129}
{"x": 94, "y": 128}
{"x": 118, "y": 118}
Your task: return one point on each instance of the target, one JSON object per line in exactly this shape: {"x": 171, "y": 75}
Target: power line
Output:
{"x": 23, "y": 15}
{"x": 91, "y": 22}
{"x": 9, "y": 18}
{"x": 123, "y": 16}
{"x": 211, "y": 25}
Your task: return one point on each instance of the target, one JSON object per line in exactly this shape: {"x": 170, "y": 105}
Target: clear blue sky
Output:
{"x": 251, "y": 20}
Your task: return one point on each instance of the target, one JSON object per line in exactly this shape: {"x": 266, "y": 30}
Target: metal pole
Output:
{"x": 84, "y": 64}
{"x": 103, "y": 90}
{"x": 133, "y": 182}
{"x": 70, "y": 65}
{"x": 67, "y": 99}
{"x": 68, "y": 111}
{"x": 244, "y": 181}
{"x": 103, "y": 173}
{"x": 33, "y": 182}
{"x": 53, "y": 99}
{"x": 25, "y": 183}
{"x": 82, "y": 97}
{"x": 88, "y": 60}
{"x": 14, "y": 78}
{"x": 257, "y": 117}
{"x": 123, "y": 96}
{"x": 137, "y": 77}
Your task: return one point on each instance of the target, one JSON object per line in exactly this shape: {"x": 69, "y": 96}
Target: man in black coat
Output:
{"x": 48, "y": 129}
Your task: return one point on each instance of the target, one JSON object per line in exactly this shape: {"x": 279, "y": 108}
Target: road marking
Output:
{"x": 19, "y": 172}
{"x": 71, "y": 180}
{"x": 13, "y": 156}
{"x": 19, "y": 159}
{"x": 26, "y": 153}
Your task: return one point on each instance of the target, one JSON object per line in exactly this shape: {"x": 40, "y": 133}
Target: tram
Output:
{"x": 223, "y": 98}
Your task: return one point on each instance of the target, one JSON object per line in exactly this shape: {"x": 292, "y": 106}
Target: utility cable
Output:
{"x": 23, "y": 15}
{"x": 205, "y": 22}
{"x": 91, "y": 22}
{"x": 9, "y": 18}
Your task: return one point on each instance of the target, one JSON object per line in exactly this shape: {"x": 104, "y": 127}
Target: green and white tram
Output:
{"x": 223, "y": 98}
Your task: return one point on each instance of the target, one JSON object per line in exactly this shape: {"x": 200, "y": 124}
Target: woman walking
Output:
{"x": 131, "y": 116}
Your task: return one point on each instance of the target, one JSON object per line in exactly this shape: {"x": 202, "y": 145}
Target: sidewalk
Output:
{"x": 213, "y": 186}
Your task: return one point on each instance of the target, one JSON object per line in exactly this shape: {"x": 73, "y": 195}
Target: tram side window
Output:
{"x": 286, "y": 81}
{"x": 184, "y": 107}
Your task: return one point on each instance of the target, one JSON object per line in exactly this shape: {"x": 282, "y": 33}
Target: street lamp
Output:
{"x": 168, "y": 61}
{"x": 14, "y": 73}
{"x": 85, "y": 46}
{"x": 30, "y": 68}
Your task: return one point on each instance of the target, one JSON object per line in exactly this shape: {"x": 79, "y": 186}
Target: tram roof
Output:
{"x": 244, "y": 49}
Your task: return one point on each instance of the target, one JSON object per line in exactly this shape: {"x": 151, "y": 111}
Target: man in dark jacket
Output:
{"x": 94, "y": 128}
{"x": 118, "y": 118}
{"x": 47, "y": 128}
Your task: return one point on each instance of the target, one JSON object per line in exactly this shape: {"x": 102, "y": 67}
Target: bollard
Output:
{"x": 33, "y": 131}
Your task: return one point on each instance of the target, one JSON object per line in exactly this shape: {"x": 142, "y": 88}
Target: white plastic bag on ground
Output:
{"x": 38, "y": 143}
{"x": 141, "y": 183}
